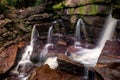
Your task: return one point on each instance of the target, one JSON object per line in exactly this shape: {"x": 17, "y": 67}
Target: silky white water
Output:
{"x": 49, "y": 34}
{"x": 28, "y": 52}
{"x": 29, "y": 48}
{"x": 90, "y": 56}
{"x": 44, "y": 52}
{"x": 80, "y": 25}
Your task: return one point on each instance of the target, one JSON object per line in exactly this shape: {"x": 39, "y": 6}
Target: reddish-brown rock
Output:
{"x": 45, "y": 73}
{"x": 65, "y": 64}
{"x": 108, "y": 65}
{"x": 7, "y": 58}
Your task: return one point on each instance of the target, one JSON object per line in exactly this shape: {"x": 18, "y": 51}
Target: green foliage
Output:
{"x": 4, "y": 2}
{"x": 12, "y": 3}
{"x": 2, "y": 7}
{"x": 37, "y": 2}
{"x": 20, "y": 3}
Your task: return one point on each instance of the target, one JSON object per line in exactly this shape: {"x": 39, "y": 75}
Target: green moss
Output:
{"x": 94, "y": 9}
{"x": 92, "y": 1}
{"x": 82, "y": 10}
{"x": 71, "y": 10}
{"x": 90, "y": 10}
{"x": 4, "y": 2}
{"x": 58, "y": 6}
{"x": 9, "y": 2}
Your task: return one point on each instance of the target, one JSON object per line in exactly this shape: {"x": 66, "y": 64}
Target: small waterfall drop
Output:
{"x": 26, "y": 55}
{"x": 77, "y": 34}
{"x": 29, "y": 49}
{"x": 80, "y": 25}
{"x": 44, "y": 52}
{"x": 49, "y": 34}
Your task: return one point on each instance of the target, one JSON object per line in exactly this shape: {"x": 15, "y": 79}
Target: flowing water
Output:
{"x": 44, "y": 52}
{"x": 49, "y": 34}
{"x": 28, "y": 52}
{"x": 80, "y": 25}
{"x": 90, "y": 56}
{"x": 29, "y": 48}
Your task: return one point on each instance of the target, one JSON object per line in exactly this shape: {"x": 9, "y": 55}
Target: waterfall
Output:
{"x": 109, "y": 29}
{"x": 90, "y": 56}
{"x": 77, "y": 34}
{"x": 80, "y": 25}
{"x": 44, "y": 52}
{"x": 29, "y": 48}
{"x": 49, "y": 34}
{"x": 26, "y": 55}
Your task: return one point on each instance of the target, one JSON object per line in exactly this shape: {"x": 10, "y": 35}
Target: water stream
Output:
{"x": 49, "y": 34}
{"x": 44, "y": 52}
{"x": 90, "y": 56}
{"x": 80, "y": 26}
{"x": 26, "y": 55}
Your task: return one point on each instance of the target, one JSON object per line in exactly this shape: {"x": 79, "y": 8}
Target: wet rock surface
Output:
{"x": 45, "y": 73}
{"x": 109, "y": 62}
{"x": 65, "y": 64}
{"x": 7, "y": 59}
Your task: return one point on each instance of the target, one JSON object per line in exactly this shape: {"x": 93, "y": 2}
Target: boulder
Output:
{"x": 65, "y": 64}
{"x": 45, "y": 73}
{"x": 7, "y": 59}
{"x": 109, "y": 62}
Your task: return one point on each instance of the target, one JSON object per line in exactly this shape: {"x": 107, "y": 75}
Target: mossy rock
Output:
{"x": 90, "y": 10}
{"x": 58, "y": 6}
{"x": 76, "y": 3}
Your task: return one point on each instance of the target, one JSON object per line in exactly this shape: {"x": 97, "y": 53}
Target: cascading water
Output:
{"x": 49, "y": 34}
{"x": 108, "y": 31}
{"x": 26, "y": 55}
{"x": 77, "y": 34}
{"x": 29, "y": 49}
{"x": 90, "y": 56}
{"x": 80, "y": 25}
{"x": 43, "y": 55}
